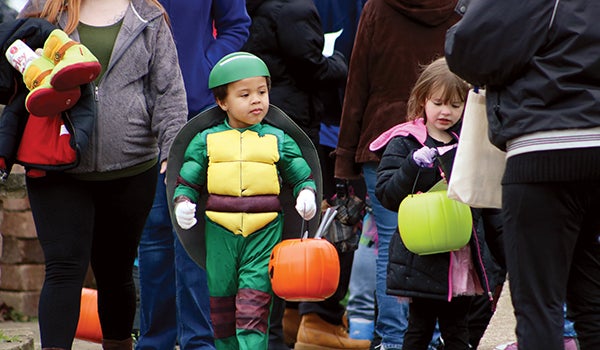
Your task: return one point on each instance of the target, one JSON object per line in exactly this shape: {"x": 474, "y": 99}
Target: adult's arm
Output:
{"x": 495, "y": 40}
{"x": 301, "y": 39}
{"x": 232, "y": 25}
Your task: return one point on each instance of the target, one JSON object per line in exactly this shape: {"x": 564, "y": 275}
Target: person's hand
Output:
{"x": 306, "y": 204}
{"x": 185, "y": 213}
{"x": 163, "y": 167}
{"x": 425, "y": 156}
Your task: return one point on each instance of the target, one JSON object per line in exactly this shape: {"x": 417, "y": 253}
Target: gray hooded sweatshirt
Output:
{"x": 141, "y": 98}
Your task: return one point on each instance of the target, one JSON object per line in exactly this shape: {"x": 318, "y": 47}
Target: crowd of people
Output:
{"x": 202, "y": 121}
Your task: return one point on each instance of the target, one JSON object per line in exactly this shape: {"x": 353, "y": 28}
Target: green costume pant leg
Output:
{"x": 239, "y": 285}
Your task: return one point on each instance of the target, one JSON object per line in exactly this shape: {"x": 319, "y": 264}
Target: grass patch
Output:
{"x": 9, "y": 338}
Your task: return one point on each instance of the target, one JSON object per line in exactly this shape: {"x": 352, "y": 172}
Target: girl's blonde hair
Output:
{"x": 434, "y": 76}
{"x": 54, "y": 8}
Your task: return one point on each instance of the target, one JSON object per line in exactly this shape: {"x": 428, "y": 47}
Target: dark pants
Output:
{"x": 79, "y": 222}
{"x": 451, "y": 316}
{"x": 552, "y": 251}
{"x": 480, "y": 314}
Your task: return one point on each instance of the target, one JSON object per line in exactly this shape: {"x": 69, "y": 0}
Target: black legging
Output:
{"x": 451, "y": 316}
{"x": 79, "y": 222}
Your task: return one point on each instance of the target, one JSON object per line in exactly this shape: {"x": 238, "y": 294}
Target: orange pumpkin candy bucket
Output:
{"x": 88, "y": 327}
{"x": 305, "y": 269}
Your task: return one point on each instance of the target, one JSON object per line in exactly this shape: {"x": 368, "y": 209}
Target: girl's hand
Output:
{"x": 425, "y": 156}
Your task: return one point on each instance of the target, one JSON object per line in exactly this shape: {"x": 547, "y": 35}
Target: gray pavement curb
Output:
{"x": 16, "y": 339}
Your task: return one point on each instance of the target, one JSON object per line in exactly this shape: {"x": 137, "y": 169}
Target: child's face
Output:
{"x": 440, "y": 114}
{"x": 247, "y": 102}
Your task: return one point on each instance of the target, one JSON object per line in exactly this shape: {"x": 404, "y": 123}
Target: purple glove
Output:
{"x": 424, "y": 156}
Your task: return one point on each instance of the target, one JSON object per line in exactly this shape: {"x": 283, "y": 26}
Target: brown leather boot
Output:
{"x": 291, "y": 322}
{"x": 126, "y": 344}
{"x": 316, "y": 334}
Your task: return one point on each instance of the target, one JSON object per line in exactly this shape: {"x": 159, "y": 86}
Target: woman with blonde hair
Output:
{"x": 95, "y": 212}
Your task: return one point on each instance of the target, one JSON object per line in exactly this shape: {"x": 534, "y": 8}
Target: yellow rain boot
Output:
{"x": 43, "y": 99}
{"x": 74, "y": 64}
{"x": 316, "y": 334}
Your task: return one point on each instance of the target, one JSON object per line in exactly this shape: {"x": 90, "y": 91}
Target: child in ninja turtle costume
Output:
{"x": 241, "y": 162}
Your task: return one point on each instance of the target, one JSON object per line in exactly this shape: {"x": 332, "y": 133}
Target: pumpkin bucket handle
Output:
{"x": 326, "y": 221}
{"x": 412, "y": 192}
{"x": 303, "y": 234}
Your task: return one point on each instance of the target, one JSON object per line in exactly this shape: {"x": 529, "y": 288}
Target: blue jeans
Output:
{"x": 174, "y": 305}
{"x": 361, "y": 299}
{"x": 392, "y": 314}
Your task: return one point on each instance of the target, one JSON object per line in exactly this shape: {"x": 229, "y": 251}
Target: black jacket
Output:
{"x": 33, "y": 31}
{"x": 288, "y": 36}
{"x": 413, "y": 275}
{"x": 538, "y": 60}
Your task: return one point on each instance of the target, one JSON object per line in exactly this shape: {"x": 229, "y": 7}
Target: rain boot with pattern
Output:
{"x": 43, "y": 99}
{"x": 74, "y": 64}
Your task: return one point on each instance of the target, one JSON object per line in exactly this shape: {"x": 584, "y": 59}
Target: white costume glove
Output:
{"x": 306, "y": 204}
{"x": 185, "y": 213}
{"x": 425, "y": 156}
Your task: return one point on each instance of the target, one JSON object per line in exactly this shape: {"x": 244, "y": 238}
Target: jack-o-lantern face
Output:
{"x": 304, "y": 269}
{"x": 431, "y": 223}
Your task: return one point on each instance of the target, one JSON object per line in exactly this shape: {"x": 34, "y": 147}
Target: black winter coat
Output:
{"x": 33, "y": 31}
{"x": 409, "y": 274}
{"x": 288, "y": 36}
{"x": 545, "y": 80}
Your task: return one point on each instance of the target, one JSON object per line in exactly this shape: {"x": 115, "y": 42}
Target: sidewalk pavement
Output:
{"x": 501, "y": 329}
{"x": 31, "y": 328}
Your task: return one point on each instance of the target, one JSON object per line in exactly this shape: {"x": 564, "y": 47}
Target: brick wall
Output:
{"x": 22, "y": 261}
{"x": 21, "y": 257}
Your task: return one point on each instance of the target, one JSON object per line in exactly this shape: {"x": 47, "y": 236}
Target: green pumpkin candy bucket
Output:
{"x": 431, "y": 223}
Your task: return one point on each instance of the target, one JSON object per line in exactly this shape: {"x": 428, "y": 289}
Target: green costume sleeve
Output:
{"x": 293, "y": 167}
{"x": 193, "y": 170}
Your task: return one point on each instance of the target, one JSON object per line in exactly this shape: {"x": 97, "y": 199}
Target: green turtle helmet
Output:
{"x": 236, "y": 66}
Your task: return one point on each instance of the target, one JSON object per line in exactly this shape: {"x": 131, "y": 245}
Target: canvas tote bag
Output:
{"x": 478, "y": 166}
